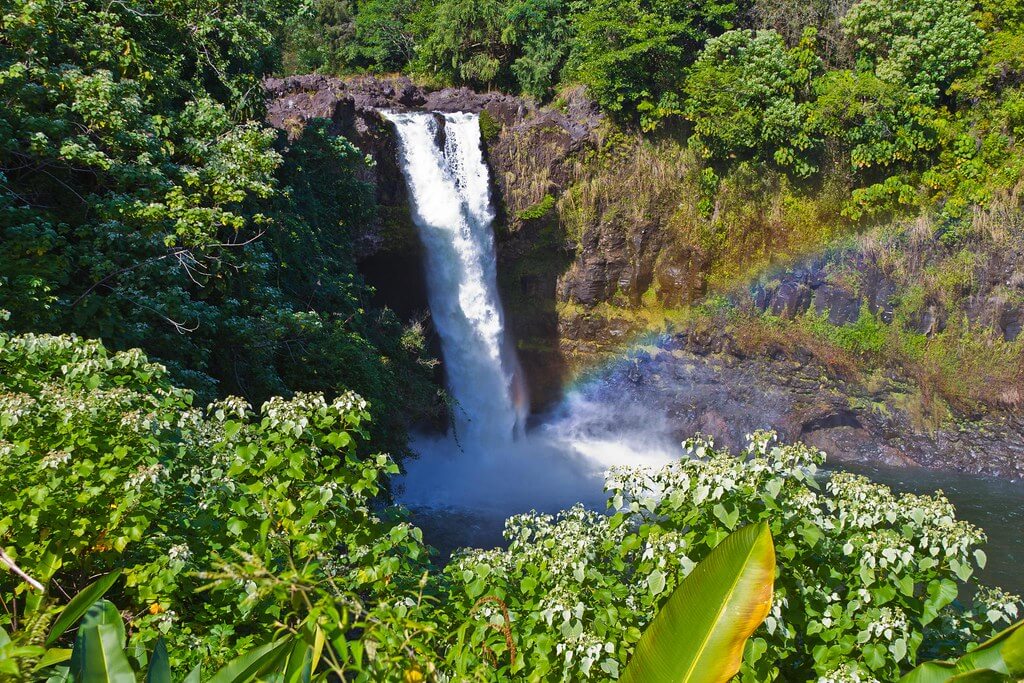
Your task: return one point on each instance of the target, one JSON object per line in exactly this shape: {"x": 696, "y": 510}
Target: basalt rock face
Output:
{"x": 702, "y": 382}
{"x": 843, "y": 284}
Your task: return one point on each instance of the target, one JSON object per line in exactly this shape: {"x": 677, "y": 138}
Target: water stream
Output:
{"x": 465, "y": 483}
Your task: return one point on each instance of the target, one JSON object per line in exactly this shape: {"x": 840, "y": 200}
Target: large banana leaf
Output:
{"x": 698, "y": 636}
{"x": 99, "y": 655}
{"x": 1001, "y": 658}
{"x": 79, "y": 605}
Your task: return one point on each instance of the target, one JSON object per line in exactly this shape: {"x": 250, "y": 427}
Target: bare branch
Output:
{"x": 12, "y": 565}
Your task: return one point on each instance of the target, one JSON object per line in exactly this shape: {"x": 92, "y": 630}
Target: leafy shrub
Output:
{"x": 117, "y": 470}
{"x": 867, "y": 579}
{"x": 538, "y": 210}
{"x": 464, "y": 43}
{"x": 489, "y": 128}
{"x": 742, "y": 98}
{"x": 922, "y": 44}
{"x": 630, "y": 54}
{"x": 230, "y": 526}
{"x": 867, "y": 335}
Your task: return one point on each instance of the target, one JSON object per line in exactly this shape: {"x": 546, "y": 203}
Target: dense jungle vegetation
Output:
{"x": 143, "y": 205}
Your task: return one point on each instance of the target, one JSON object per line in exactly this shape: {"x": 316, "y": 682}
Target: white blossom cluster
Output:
{"x": 83, "y": 357}
{"x": 563, "y": 547}
{"x": 938, "y": 536}
{"x": 998, "y": 605}
{"x": 14, "y": 407}
{"x": 54, "y": 459}
{"x": 179, "y": 553}
{"x": 848, "y": 672}
{"x": 890, "y": 624}
{"x": 293, "y": 415}
{"x": 145, "y": 474}
{"x": 230, "y": 408}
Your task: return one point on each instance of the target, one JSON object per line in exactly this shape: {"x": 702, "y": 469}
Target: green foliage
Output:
{"x": 122, "y": 472}
{"x": 742, "y": 97}
{"x": 881, "y": 123}
{"x": 922, "y": 45}
{"x": 100, "y": 654}
{"x": 464, "y": 43}
{"x": 339, "y": 35}
{"x": 230, "y": 528}
{"x": 489, "y": 128}
{"x": 541, "y": 32}
{"x": 538, "y": 210}
{"x": 135, "y": 206}
{"x": 631, "y": 54}
{"x": 865, "y": 336}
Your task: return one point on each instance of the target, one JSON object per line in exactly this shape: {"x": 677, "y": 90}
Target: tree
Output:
{"x": 464, "y": 43}
{"x": 541, "y": 32}
{"x": 922, "y": 45}
{"x": 631, "y": 53}
{"x": 745, "y": 95}
{"x": 882, "y": 124}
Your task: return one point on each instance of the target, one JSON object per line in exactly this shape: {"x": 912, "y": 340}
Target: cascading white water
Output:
{"x": 490, "y": 466}
{"x": 449, "y": 190}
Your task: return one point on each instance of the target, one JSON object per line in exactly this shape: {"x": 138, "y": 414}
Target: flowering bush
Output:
{"x": 116, "y": 469}
{"x": 866, "y": 579}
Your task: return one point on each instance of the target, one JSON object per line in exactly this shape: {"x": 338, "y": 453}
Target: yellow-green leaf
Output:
{"x": 698, "y": 636}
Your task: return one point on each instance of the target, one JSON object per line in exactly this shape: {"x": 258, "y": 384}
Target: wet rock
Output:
{"x": 694, "y": 380}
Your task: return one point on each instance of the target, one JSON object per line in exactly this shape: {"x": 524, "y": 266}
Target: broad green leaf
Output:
{"x": 253, "y": 663}
{"x": 993, "y": 660}
{"x": 940, "y": 594}
{"x": 99, "y": 654}
{"x": 931, "y": 672}
{"x": 1013, "y": 652}
{"x": 988, "y": 655}
{"x": 44, "y": 571}
{"x": 194, "y": 675}
{"x": 79, "y": 605}
{"x": 299, "y": 660}
{"x": 61, "y": 674}
{"x": 981, "y": 676}
{"x": 104, "y": 612}
{"x": 699, "y": 635}
{"x": 55, "y": 655}
{"x": 159, "y": 664}
{"x": 318, "y": 647}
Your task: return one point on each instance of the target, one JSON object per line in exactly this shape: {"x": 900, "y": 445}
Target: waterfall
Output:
{"x": 490, "y": 466}
{"x": 449, "y": 189}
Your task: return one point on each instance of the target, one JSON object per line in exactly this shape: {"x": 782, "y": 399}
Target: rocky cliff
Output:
{"x": 595, "y": 230}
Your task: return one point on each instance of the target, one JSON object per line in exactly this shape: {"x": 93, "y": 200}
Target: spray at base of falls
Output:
{"x": 490, "y": 464}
